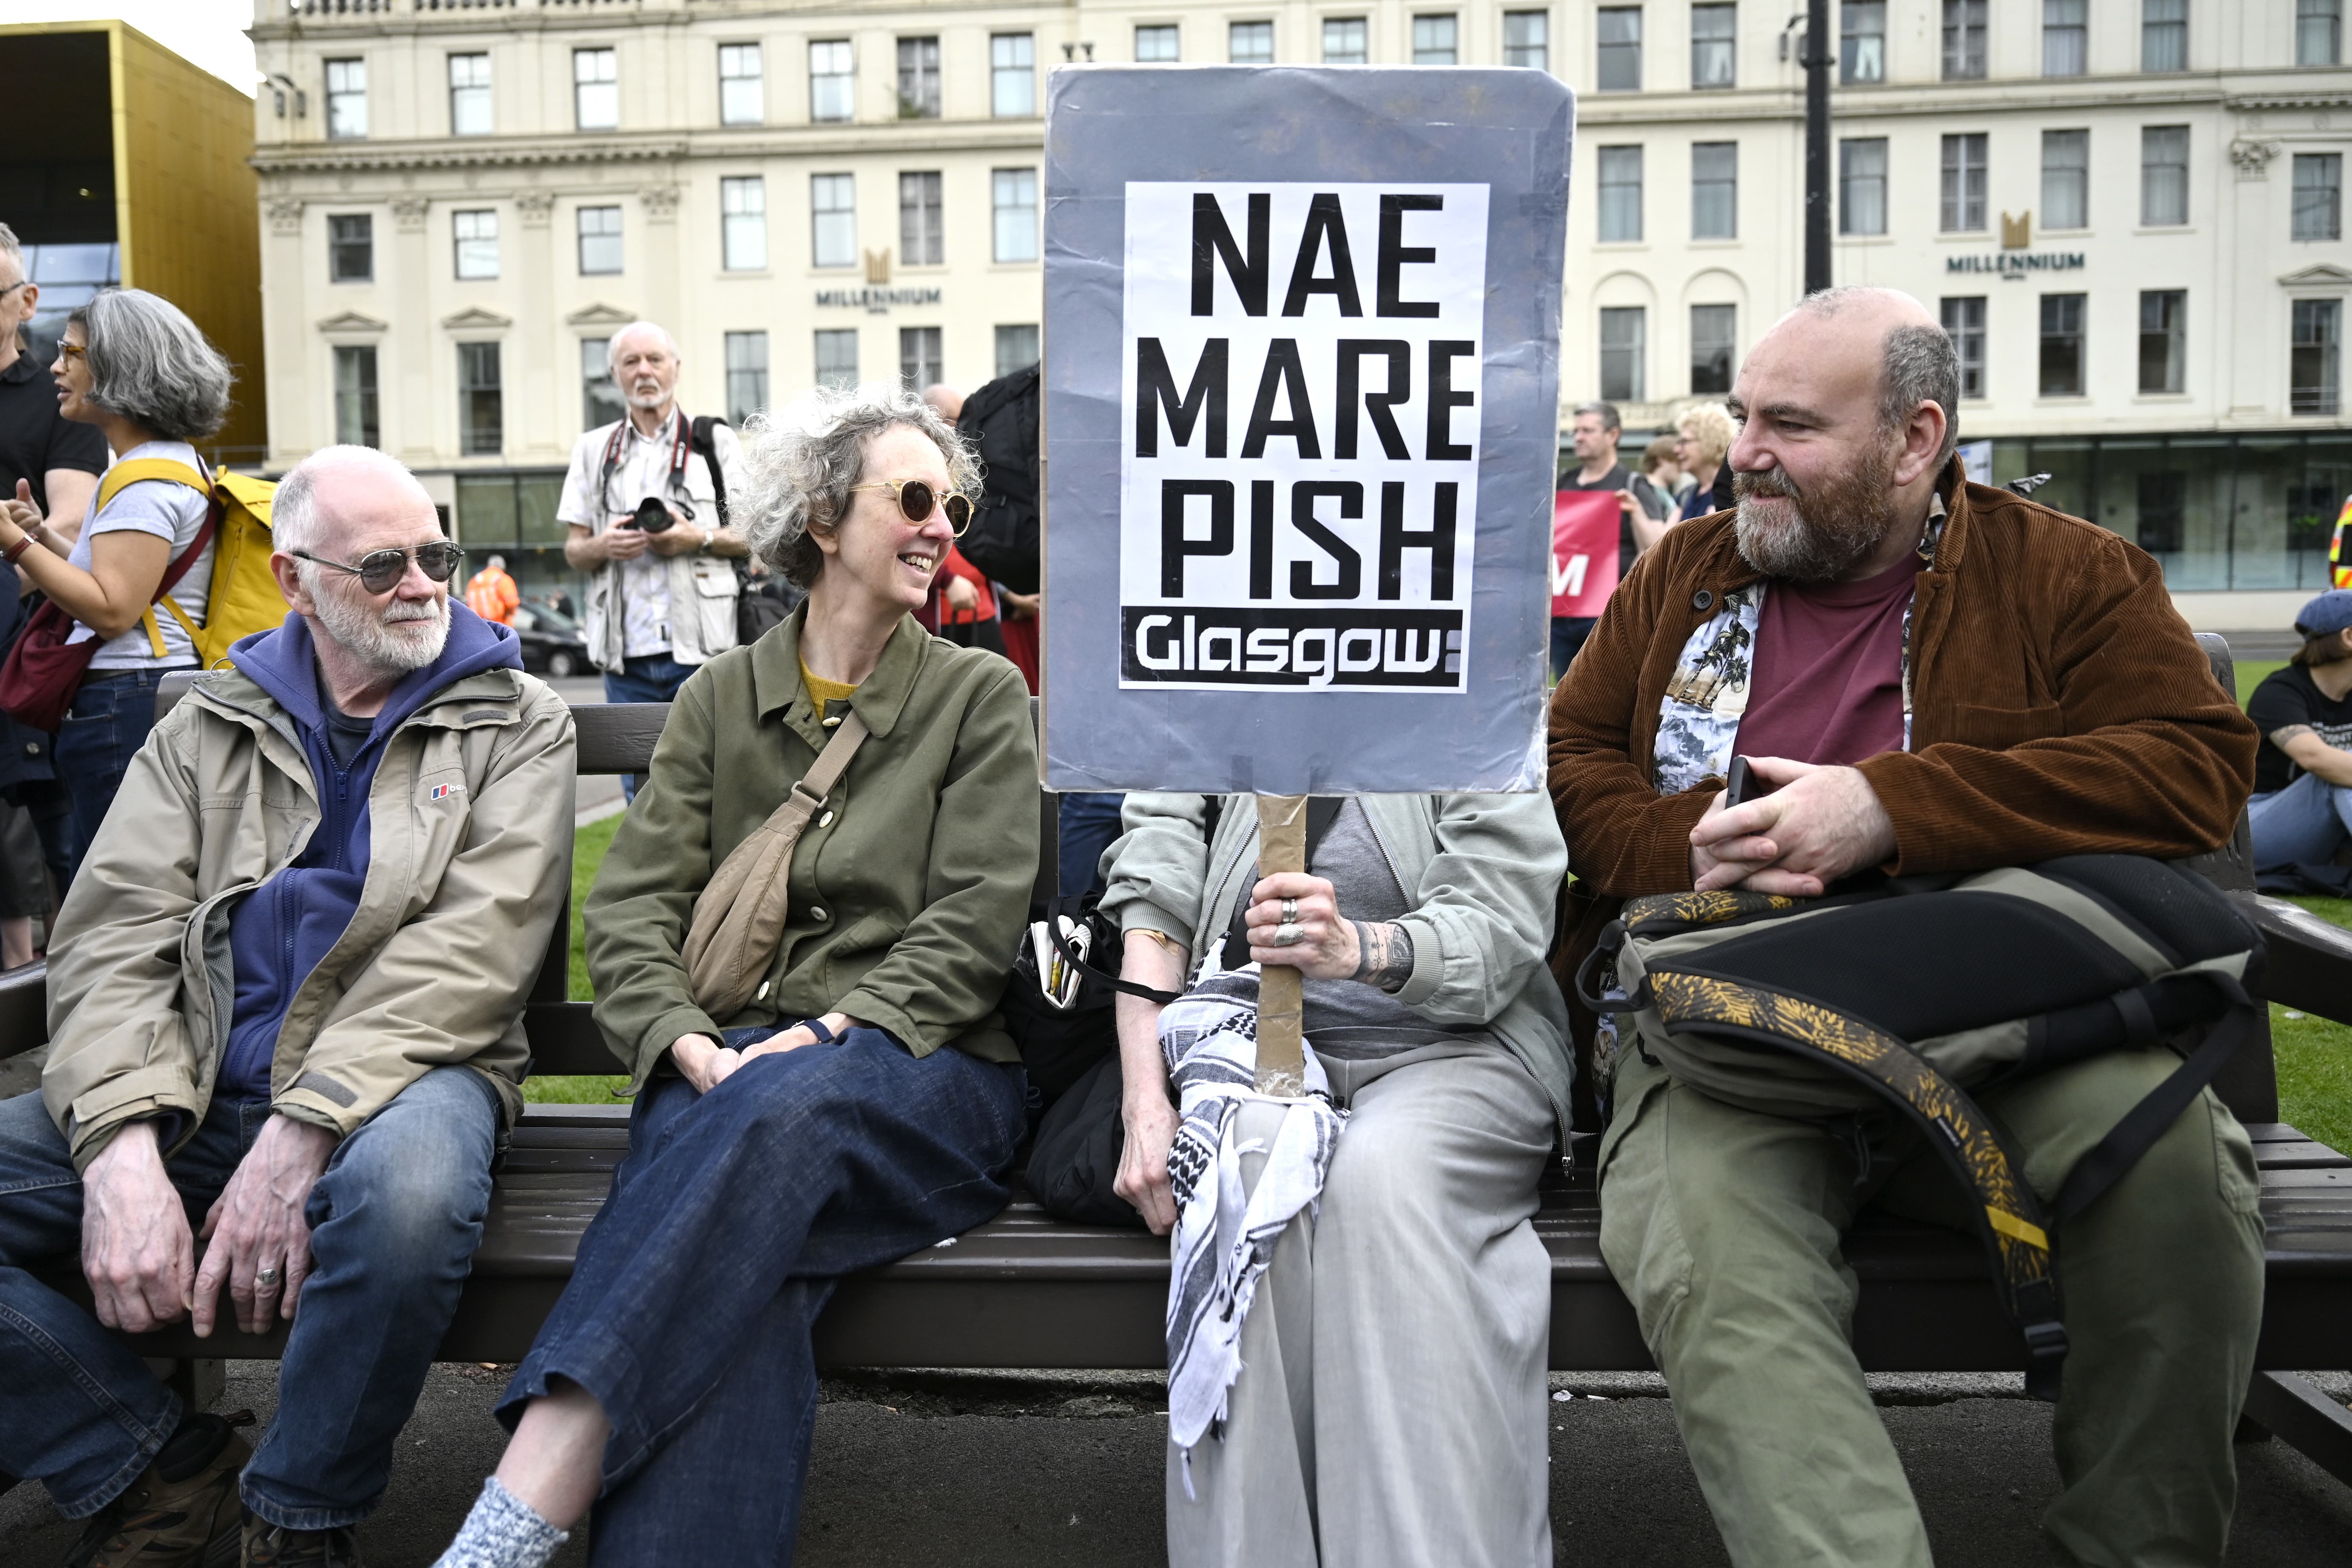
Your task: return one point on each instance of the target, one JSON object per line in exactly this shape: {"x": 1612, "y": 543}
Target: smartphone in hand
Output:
{"x": 1740, "y": 784}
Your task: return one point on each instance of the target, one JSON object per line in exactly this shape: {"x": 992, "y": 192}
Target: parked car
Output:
{"x": 551, "y": 643}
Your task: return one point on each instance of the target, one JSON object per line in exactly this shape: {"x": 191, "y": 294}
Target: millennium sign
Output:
{"x": 2011, "y": 266}
{"x": 875, "y": 300}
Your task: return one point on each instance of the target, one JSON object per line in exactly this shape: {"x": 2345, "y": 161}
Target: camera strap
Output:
{"x": 679, "y": 445}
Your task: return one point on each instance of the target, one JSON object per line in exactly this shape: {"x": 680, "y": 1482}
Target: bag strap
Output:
{"x": 179, "y": 567}
{"x": 1070, "y": 956}
{"x": 704, "y": 442}
{"x": 2148, "y": 1120}
{"x": 123, "y": 475}
{"x": 831, "y": 762}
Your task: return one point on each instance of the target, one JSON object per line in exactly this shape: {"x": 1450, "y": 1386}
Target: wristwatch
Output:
{"x": 708, "y": 536}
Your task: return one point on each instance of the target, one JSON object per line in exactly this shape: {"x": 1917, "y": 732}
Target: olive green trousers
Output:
{"x": 1724, "y": 1226}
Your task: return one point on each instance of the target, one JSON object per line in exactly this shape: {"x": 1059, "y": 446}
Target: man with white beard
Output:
{"x": 286, "y": 994}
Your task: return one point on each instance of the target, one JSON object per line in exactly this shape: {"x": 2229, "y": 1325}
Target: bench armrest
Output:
{"x": 24, "y": 1009}
{"x": 2310, "y": 965}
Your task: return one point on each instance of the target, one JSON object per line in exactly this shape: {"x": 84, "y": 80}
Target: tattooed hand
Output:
{"x": 1384, "y": 955}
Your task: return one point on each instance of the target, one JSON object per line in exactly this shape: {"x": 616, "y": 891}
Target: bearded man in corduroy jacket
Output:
{"x": 1928, "y": 676}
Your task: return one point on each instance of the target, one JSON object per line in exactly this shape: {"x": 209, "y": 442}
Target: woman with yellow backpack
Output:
{"x": 87, "y": 667}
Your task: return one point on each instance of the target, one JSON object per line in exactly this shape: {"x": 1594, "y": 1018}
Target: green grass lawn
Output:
{"x": 588, "y": 847}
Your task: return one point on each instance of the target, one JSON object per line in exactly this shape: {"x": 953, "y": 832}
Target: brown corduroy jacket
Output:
{"x": 2059, "y": 706}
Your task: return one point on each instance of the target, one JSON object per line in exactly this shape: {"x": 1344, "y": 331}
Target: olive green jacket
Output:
{"x": 909, "y": 892}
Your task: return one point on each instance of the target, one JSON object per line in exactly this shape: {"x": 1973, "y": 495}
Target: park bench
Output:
{"x": 1024, "y": 1291}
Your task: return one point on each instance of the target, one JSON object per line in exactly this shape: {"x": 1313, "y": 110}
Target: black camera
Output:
{"x": 652, "y": 516}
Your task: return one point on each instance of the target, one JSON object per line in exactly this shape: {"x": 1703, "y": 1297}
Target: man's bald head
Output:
{"x": 1917, "y": 361}
{"x": 336, "y": 487}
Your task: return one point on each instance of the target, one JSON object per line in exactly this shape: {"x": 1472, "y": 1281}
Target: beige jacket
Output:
{"x": 453, "y": 919}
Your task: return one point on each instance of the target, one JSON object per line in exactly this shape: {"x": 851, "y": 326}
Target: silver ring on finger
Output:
{"x": 1287, "y": 933}
{"x": 267, "y": 1279}
{"x": 1290, "y": 912}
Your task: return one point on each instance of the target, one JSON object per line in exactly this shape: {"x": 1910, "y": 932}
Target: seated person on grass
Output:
{"x": 2303, "y": 774}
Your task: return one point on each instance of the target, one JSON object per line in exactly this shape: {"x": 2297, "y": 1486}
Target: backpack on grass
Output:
{"x": 1916, "y": 990}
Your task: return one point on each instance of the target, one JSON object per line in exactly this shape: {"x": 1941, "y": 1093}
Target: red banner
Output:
{"x": 1583, "y": 551}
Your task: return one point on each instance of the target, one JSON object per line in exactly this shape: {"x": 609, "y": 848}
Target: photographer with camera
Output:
{"x": 641, "y": 502}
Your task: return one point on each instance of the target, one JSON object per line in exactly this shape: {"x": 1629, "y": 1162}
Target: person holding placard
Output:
{"x": 1392, "y": 1405}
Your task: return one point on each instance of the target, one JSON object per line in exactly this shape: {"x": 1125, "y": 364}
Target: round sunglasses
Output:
{"x": 379, "y": 571}
{"x": 916, "y": 500}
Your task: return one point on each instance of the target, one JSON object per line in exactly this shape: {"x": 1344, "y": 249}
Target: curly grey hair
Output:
{"x": 150, "y": 364}
{"x": 800, "y": 461}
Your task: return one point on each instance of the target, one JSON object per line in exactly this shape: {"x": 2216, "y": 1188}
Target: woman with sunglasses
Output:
{"x": 133, "y": 364}
{"x": 865, "y": 1101}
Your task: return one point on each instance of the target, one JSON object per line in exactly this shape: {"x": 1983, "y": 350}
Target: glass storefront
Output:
{"x": 513, "y": 515}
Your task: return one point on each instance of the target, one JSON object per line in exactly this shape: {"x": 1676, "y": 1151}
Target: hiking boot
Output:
{"x": 181, "y": 1511}
{"x": 268, "y": 1545}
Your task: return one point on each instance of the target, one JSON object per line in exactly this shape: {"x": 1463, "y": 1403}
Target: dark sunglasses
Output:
{"x": 917, "y": 499}
{"x": 379, "y": 571}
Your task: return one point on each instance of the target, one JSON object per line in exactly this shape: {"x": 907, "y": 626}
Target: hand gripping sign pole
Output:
{"x": 1301, "y": 415}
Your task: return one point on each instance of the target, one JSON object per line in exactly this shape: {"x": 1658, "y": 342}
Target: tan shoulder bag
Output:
{"x": 738, "y": 919}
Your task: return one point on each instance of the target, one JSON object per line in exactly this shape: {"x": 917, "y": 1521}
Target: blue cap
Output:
{"x": 2331, "y": 612}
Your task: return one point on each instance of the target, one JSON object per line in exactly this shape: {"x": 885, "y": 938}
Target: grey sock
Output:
{"x": 503, "y": 1531}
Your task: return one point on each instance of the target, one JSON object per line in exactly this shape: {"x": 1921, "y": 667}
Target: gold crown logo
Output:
{"x": 2016, "y": 233}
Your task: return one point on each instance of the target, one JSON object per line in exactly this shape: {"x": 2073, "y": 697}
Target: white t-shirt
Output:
{"x": 167, "y": 510}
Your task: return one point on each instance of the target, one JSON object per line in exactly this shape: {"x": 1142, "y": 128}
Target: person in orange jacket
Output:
{"x": 490, "y": 592}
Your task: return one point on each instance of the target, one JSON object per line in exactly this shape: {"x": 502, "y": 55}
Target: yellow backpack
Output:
{"x": 244, "y": 596}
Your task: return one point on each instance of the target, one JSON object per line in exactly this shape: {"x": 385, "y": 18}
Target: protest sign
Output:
{"x": 1301, "y": 411}
{"x": 1584, "y": 528}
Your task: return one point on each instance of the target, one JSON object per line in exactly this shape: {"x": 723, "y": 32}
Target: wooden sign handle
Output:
{"x": 1281, "y": 847}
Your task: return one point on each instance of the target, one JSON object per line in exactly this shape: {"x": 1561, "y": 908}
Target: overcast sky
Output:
{"x": 209, "y": 32}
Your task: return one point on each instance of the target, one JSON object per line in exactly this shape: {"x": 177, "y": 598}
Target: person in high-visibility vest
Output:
{"x": 490, "y": 592}
{"x": 2339, "y": 563}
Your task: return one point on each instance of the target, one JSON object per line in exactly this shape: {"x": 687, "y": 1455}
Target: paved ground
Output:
{"x": 1049, "y": 1469}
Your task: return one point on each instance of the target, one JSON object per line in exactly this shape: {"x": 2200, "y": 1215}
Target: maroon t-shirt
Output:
{"x": 1826, "y": 681}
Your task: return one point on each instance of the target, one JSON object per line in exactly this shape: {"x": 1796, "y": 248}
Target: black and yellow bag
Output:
{"x": 1913, "y": 991}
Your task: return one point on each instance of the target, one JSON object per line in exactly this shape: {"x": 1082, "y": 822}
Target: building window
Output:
{"x": 1250, "y": 42}
{"x": 1862, "y": 41}
{"x": 919, "y": 363}
{"x": 1527, "y": 39}
{"x": 351, "y": 249}
{"x": 481, "y": 409}
{"x": 1964, "y": 324}
{"x": 2061, "y": 345}
{"x": 1156, "y": 45}
{"x": 1016, "y": 349}
{"x": 2163, "y": 175}
{"x": 833, "y": 80}
{"x": 1711, "y": 347}
{"x": 836, "y": 356}
{"x": 476, "y": 236}
{"x": 1343, "y": 41}
{"x": 1014, "y": 194}
{"x": 918, "y": 79}
{"x": 2164, "y": 35}
{"x": 742, "y": 85}
{"x": 1013, "y": 75}
{"x": 600, "y": 241}
{"x": 596, "y": 90}
{"x": 2318, "y": 196}
{"x": 1714, "y": 52}
{"x": 601, "y": 402}
{"x": 2311, "y": 369}
{"x": 922, "y": 240}
{"x": 346, "y": 99}
{"x": 355, "y": 405}
{"x": 1623, "y": 348}
{"x": 1715, "y": 190}
{"x": 2318, "y": 32}
{"x": 2163, "y": 339}
{"x": 2066, "y": 45}
{"x": 1621, "y": 194}
{"x": 1434, "y": 41}
{"x": 743, "y": 223}
{"x": 747, "y": 375}
{"x": 1964, "y": 183}
{"x": 1620, "y": 48}
{"x": 469, "y": 95}
{"x": 1861, "y": 185}
{"x": 1964, "y": 40}
{"x": 833, "y": 220}
{"x": 2066, "y": 179}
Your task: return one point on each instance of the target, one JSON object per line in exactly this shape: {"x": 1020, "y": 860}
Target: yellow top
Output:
{"x": 821, "y": 691}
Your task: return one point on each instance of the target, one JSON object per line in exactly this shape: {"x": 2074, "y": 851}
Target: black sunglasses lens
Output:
{"x": 916, "y": 500}
{"x": 439, "y": 561}
{"x": 381, "y": 570}
{"x": 959, "y": 514}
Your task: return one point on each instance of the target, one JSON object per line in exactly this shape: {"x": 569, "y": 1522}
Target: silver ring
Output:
{"x": 1290, "y": 912}
{"x": 1287, "y": 933}
{"x": 265, "y": 1278}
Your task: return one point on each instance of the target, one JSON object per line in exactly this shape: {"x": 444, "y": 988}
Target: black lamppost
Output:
{"x": 1816, "y": 60}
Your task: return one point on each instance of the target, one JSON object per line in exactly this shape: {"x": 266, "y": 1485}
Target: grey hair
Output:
{"x": 800, "y": 461}
{"x": 612, "y": 345}
{"x": 1608, "y": 412}
{"x": 1922, "y": 365}
{"x": 13, "y": 249}
{"x": 294, "y": 520}
{"x": 150, "y": 366}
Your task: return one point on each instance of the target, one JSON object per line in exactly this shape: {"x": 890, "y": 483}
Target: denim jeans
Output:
{"x": 394, "y": 1221}
{"x": 103, "y": 730}
{"x": 2305, "y": 823}
{"x": 689, "y": 1309}
{"x": 1089, "y": 822}
{"x": 1567, "y": 635}
{"x": 648, "y": 678}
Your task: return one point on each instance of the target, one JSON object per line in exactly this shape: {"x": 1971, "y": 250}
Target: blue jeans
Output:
{"x": 1567, "y": 635}
{"x": 690, "y": 1306}
{"x": 393, "y": 1227}
{"x": 648, "y": 678}
{"x": 2305, "y": 823}
{"x": 1089, "y": 823}
{"x": 103, "y": 730}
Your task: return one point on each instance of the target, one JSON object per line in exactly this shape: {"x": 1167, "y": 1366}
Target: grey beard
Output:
{"x": 386, "y": 643}
{"x": 1801, "y": 547}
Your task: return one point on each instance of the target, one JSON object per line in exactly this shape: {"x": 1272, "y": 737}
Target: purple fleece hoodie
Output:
{"x": 284, "y": 927}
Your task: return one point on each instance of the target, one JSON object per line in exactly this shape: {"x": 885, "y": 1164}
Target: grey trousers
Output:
{"x": 1391, "y": 1409}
